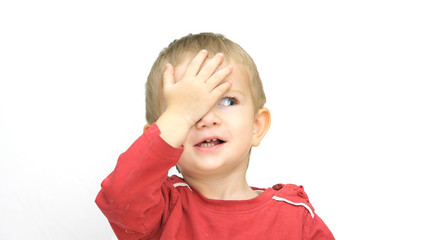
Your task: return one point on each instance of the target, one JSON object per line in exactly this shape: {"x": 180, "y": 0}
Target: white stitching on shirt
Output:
{"x": 181, "y": 184}
{"x": 296, "y": 204}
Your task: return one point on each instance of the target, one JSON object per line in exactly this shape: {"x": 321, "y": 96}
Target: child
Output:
{"x": 204, "y": 107}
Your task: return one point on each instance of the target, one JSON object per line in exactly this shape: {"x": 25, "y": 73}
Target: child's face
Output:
{"x": 219, "y": 143}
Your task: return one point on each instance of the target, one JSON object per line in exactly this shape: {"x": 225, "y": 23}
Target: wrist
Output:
{"x": 174, "y": 127}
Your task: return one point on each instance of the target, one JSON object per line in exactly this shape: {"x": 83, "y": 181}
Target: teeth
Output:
{"x": 203, "y": 145}
{"x": 209, "y": 142}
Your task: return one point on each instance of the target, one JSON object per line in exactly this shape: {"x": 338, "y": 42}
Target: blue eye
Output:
{"x": 228, "y": 101}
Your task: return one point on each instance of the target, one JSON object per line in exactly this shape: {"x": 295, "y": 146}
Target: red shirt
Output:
{"x": 141, "y": 202}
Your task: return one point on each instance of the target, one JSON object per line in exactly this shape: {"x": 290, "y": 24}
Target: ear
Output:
{"x": 146, "y": 126}
{"x": 261, "y": 125}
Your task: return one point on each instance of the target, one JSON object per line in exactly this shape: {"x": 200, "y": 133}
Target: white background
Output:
{"x": 345, "y": 82}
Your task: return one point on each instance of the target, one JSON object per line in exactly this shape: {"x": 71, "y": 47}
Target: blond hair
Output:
{"x": 192, "y": 44}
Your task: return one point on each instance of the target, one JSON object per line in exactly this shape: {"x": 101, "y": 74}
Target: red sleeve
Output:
{"x": 317, "y": 230}
{"x": 133, "y": 196}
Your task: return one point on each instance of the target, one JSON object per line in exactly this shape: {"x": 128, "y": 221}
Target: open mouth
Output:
{"x": 210, "y": 143}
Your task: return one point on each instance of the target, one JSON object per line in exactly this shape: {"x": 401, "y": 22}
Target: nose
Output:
{"x": 210, "y": 119}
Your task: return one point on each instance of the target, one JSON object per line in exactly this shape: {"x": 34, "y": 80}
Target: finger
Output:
{"x": 168, "y": 75}
{"x": 195, "y": 64}
{"x": 221, "y": 89}
{"x": 219, "y": 76}
{"x": 210, "y": 67}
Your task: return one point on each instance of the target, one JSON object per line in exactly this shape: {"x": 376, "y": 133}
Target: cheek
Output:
{"x": 240, "y": 123}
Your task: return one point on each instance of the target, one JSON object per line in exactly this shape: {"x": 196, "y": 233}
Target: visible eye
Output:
{"x": 228, "y": 101}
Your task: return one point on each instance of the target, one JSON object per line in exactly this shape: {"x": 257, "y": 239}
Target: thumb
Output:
{"x": 168, "y": 75}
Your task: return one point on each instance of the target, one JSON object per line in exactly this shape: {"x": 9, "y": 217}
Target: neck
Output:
{"x": 229, "y": 187}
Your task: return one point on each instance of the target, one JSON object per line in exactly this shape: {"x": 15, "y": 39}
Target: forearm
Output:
{"x": 134, "y": 187}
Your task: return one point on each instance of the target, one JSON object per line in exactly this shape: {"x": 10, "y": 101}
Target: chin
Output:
{"x": 208, "y": 168}
{"x": 198, "y": 170}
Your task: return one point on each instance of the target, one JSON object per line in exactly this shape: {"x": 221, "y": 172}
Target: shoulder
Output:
{"x": 176, "y": 182}
{"x": 296, "y": 198}
{"x": 293, "y": 195}
{"x": 174, "y": 179}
